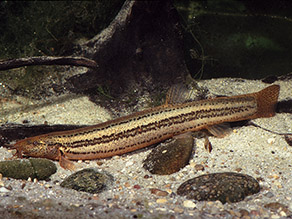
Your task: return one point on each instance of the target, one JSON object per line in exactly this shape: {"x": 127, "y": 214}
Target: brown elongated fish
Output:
{"x": 141, "y": 129}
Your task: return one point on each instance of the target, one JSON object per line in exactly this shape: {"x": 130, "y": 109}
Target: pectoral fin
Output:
{"x": 65, "y": 163}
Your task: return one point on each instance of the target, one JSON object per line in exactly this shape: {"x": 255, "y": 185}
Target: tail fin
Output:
{"x": 266, "y": 101}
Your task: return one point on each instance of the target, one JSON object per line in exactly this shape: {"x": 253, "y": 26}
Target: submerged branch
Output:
{"x": 47, "y": 60}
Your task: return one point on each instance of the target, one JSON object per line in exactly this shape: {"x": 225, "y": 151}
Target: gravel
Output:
{"x": 249, "y": 150}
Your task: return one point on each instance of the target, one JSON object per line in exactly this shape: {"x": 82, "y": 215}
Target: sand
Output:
{"x": 250, "y": 150}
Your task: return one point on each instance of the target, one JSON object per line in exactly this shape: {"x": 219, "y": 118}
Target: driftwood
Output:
{"x": 13, "y": 132}
{"x": 141, "y": 50}
{"x": 142, "y": 47}
{"x": 47, "y": 60}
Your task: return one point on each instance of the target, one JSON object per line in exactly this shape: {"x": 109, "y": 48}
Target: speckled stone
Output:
{"x": 38, "y": 168}
{"x": 288, "y": 139}
{"x": 88, "y": 180}
{"x": 170, "y": 157}
{"x": 225, "y": 187}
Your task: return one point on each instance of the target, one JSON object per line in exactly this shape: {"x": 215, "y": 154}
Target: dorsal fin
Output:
{"x": 175, "y": 94}
{"x": 180, "y": 93}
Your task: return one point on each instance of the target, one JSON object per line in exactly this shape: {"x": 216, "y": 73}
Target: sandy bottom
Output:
{"x": 249, "y": 150}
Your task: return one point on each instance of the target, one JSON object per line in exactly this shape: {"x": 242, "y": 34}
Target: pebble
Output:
{"x": 88, "y": 180}
{"x": 277, "y": 207}
{"x": 161, "y": 200}
{"x": 48, "y": 186}
{"x": 127, "y": 184}
{"x": 254, "y": 213}
{"x": 158, "y": 192}
{"x": 137, "y": 187}
{"x": 99, "y": 163}
{"x": 169, "y": 158}
{"x": 199, "y": 167}
{"x": 214, "y": 207}
{"x": 238, "y": 169}
{"x": 3, "y": 189}
{"x": 178, "y": 210}
{"x": 34, "y": 168}
{"x": 147, "y": 177}
{"x": 283, "y": 214}
{"x": 169, "y": 191}
{"x": 9, "y": 187}
{"x": 269, "y": 194}
{"x": 234, "y": 213}
{"x": 160, "y": 209}
{"x": 1, "y": 181}
{"x": 192, "y": 164}
{"x": 243, "y": 213}
{"x": 225, "y": 187}
{"x": 129, "y": 163}
{"x": 189, "y": 204}
{"x": 271, "y": 140}
{"x": 274, "y": 176}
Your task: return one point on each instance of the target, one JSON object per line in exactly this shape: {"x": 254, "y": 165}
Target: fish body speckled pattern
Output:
{"x": 147, "y": 127}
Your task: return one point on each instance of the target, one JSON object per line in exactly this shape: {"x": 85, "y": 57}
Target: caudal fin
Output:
{"x": 266, "y": 101}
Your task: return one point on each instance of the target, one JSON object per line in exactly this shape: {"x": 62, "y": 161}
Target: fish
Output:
{"x": 147, "y": 127}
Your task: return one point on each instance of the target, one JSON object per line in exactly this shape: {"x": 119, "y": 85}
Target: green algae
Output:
{"x": 38, "y": 168}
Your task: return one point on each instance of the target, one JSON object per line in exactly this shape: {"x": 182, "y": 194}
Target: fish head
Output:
{"x": 36, "y": 147}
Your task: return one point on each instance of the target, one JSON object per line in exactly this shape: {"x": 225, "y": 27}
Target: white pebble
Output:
{"x": 160, "y": 209}
{"x": 3, "y": 189}
{"x": 283, "y": 214}
{"x": 189, "y": 204}
{"x": 129, "y": 163}
{"x": 271, "y": 140}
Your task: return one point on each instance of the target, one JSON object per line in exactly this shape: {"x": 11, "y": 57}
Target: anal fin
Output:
{"x": 220, "y": 130}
